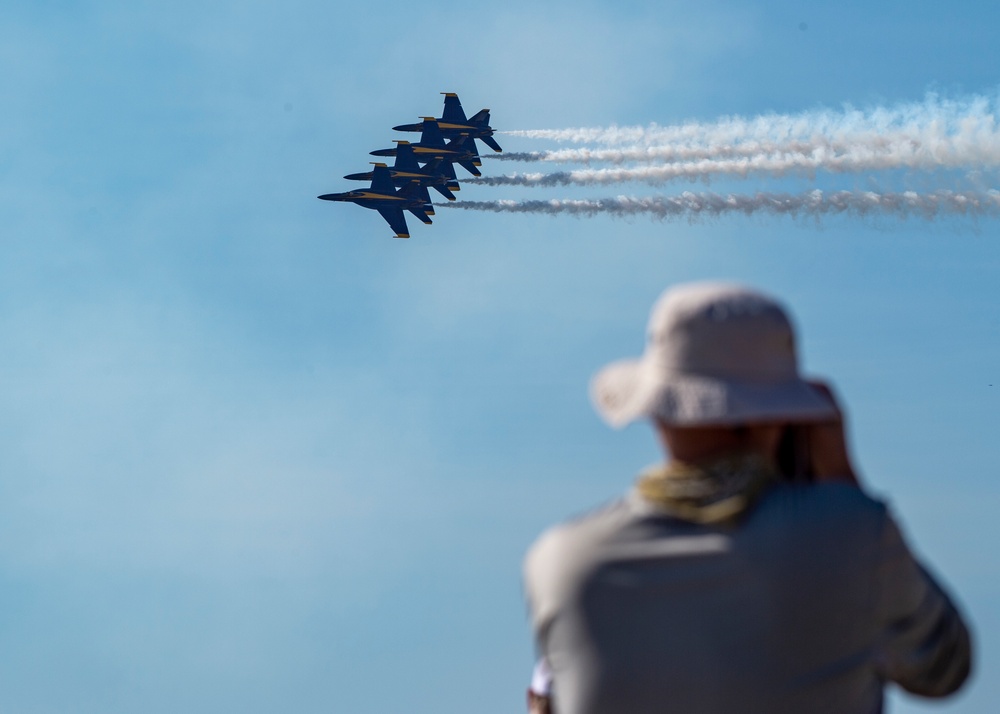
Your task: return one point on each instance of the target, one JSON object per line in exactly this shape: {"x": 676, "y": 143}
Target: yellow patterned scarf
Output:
{"x": 716, "y": 492}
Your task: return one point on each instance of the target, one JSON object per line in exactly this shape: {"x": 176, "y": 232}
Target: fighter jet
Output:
{"x": 390, "y": 203}
{"x": 459, "y": 150}
{"x": 453, "y": 122}
{"x": 437, "y": 174}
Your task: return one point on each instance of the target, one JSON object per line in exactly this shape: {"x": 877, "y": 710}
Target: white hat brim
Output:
{"x": 627, "y": 390}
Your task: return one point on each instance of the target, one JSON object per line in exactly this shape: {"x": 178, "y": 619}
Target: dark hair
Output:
{"x": 794, "y": 462}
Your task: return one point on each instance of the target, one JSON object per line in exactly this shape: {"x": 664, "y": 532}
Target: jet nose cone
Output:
{"x": 328, "y": 197}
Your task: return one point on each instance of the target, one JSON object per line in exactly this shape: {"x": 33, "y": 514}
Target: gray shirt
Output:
{"x": 810, "y": 604}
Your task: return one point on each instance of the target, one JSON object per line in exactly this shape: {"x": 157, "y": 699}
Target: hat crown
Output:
{"x": 722, "y": 331}
{"x": 717, "y": 353}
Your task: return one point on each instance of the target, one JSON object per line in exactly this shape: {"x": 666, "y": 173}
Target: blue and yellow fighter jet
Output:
{"x": 383, "y": 197}
{"x": 454, "y": 123}
{"x": 438, "y": 174}
{"x": 460, "y": 150}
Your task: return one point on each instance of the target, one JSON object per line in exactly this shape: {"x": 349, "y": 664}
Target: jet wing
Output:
{"x": 382, "y": 181}
{"x": 394, "y": 217}
{"x": 431, "y": 135}
{"x": 406, "y": 160}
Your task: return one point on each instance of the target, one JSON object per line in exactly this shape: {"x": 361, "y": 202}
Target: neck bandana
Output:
{"x": 717, "y": 492}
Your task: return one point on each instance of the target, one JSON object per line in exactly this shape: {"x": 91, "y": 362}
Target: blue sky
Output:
{"x": 258, "y": 456}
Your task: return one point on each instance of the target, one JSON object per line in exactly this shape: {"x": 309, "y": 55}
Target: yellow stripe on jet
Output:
{"x": 380, "y": 196}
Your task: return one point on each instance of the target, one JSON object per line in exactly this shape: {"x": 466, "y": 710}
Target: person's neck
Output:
{"x": 716, "y": 456}
{"x": 705, "y": 444}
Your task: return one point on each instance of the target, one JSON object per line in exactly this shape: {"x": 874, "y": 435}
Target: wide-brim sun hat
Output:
{"x": 716, "y": 354}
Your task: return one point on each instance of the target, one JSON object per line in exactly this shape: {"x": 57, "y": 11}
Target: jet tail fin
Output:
{"x": 467, "y": 142}
{"x": 417, "y": 190}
{"x": 480, "y": 117}
{"x": 448, "y": 169}
{"x": 490, "y": 142}
{"x": 471, "y": 168}
{"x": 445, "y": 191}
{"x": 425, "y": 196}
{"x": 421, "y": 214}
{"x": 453, "y": 112}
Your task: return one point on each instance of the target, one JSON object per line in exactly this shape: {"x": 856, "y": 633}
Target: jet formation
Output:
{"x": 429, "y": 163}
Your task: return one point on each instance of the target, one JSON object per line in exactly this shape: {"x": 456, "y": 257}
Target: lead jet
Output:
{"x": 383, "y": 197}
{"x": 437, "y": 174}
{"x": 459, "y": 150}
{"x": 454, "y": 123}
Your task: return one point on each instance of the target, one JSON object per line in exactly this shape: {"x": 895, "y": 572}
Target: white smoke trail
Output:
{"x": 976, "y": 144}
{"x": 855, "y": 159}
{"x": 934, "y": 113}
{"x": 813, "y": 203}
{"x": 930, "y": 136}
{"x": 666, "y": 153}
{"x": 934, "y": 134}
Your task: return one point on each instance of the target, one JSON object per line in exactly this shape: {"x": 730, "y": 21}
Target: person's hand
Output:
{"x": 539, "y": 703}
{"x": 828, "y": 444}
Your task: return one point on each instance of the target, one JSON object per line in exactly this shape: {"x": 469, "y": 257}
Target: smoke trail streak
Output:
{"x": 933, "y": 113}
{"x": 813, "y": 203}
{"x": 976, "y": 144}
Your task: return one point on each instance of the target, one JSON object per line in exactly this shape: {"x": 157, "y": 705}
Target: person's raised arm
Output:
{"x": 827, "y": 444}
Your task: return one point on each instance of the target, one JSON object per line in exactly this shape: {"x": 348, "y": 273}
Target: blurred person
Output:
{"x": 749, "y": 573}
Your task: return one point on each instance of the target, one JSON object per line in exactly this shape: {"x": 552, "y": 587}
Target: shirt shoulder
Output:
{"x": 563, "y": 552}
{"x": 581, "y": 533}
{"x": 835, "y": 508}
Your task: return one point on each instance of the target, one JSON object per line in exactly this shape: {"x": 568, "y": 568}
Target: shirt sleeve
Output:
{"x": 926, "y": 648}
